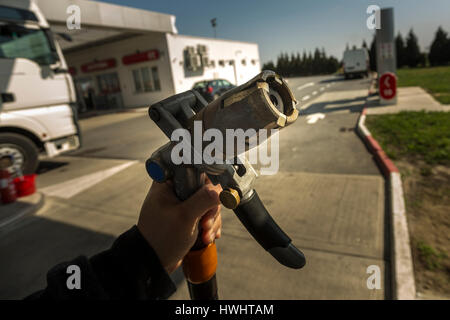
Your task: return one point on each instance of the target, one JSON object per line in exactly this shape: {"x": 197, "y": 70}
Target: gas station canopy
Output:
{"x": 102, "y": 22}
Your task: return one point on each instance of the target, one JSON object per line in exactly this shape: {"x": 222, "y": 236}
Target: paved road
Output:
{"x": 328, "y": 195}
{"x": 306, "y": 89}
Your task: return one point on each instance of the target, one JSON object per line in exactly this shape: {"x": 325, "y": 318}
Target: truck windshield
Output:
{"x": 20, "y": 42}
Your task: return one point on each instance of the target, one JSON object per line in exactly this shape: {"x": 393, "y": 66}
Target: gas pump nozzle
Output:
{"x": 264, "y": 102}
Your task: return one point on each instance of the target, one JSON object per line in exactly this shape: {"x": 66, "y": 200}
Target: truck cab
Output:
{"x": 38, "y": 113}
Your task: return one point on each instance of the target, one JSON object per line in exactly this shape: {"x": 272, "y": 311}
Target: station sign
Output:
{"x": 388, "y": 86}
{"x": 149, "y": 55}
{"x": 98, "y": 65}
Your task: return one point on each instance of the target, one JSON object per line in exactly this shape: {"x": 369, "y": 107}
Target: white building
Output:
{"x": 126, "y": 57}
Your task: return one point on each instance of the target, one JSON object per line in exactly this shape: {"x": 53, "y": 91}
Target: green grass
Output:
{"x": 430, "y": 256}
{"x": 435, "y": 80}
{"x": 413, "y": 135}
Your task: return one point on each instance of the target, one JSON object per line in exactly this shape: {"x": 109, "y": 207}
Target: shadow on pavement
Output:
{"x": 30, "y": 250}
{"x": 46, "y": 166}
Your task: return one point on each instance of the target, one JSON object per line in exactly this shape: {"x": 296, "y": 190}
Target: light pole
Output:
{"x": 214, "y": 25}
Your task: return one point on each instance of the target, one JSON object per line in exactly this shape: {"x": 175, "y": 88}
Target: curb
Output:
{"x": 25, "y": 206}
{"x": 402, "y": 280}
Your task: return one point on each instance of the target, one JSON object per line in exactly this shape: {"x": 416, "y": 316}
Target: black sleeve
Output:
{"x": 130, "y": 269}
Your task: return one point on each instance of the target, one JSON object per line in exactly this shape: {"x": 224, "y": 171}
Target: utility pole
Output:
{"x": 386, "y": 58}
{"x": 214, "y": 25}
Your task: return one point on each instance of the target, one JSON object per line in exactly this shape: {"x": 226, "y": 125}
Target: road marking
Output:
{"x": 321, "y": 89}
{"x": 313, "y": 118}
{"x": 328, "y": 85}
{"x": 305, "y": 98}
{"x": 309, "y": 84}
{"x": 314, "y": 93}
{"x": 70, "y": 188}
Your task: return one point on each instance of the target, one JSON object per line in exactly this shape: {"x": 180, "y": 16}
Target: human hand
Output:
{"x": 171, "y": 226}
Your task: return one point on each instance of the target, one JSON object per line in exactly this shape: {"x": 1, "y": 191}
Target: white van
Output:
{"x": 356, "y": 63}
{"x": 38, "y": 104}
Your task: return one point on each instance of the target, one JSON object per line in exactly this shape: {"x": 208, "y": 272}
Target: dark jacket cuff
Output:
{"x": 131, "y": 269}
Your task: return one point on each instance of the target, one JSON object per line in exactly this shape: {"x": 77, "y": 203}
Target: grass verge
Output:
{"x": 435, "y": 80}
{"x": 414, "y": 135}
{"x": 419, "y": 144}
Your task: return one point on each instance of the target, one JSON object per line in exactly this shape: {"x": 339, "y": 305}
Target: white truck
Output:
{"x": 356, "y": 63}
{"x": 38, "y": 113}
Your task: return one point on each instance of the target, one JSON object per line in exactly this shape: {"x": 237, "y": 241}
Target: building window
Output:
{"x": 146, "y": 80}
{"x": 137, "y": 81}
{"x": 243, "y": 62}
{"x": 148, "y": 86}
{"x": 222, "y": 63}
{"x": 155, "y": 76}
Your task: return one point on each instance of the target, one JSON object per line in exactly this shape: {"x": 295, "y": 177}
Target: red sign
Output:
{"x": 141, "y": 57}
{"x": 388, "y": 86}
{"x": 98, "y": 65}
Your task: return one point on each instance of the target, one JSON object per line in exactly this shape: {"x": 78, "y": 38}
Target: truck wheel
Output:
{"x": 23, "y": 150}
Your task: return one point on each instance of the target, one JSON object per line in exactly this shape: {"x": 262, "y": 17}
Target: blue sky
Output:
{"x": 297, "y": 25}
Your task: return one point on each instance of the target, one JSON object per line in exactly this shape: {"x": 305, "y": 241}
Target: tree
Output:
{"x": 293, "y": 65}
{"x": 298, "y": 64}
{"x": 400, "y": 50}
{"x": 439, "y": 54}
{"x": 307, "y": 64}
{"x": 269, "y": 66}
{"x": 412, "y": 55}
{"x": 316, "y": 63}
{"x": 423, "y": 59}
{"x": 282, "y": 64}
{"x": 304, "y": 70}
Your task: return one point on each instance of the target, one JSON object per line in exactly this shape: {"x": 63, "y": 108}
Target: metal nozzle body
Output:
{"x": 264, "y": 102}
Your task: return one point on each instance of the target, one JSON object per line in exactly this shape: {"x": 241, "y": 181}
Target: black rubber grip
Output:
{"x": 204, "y": 291}
{"x": 176, "y": 111}
{"x": 172, "y": 103}
{"x": 267, "y": 233}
